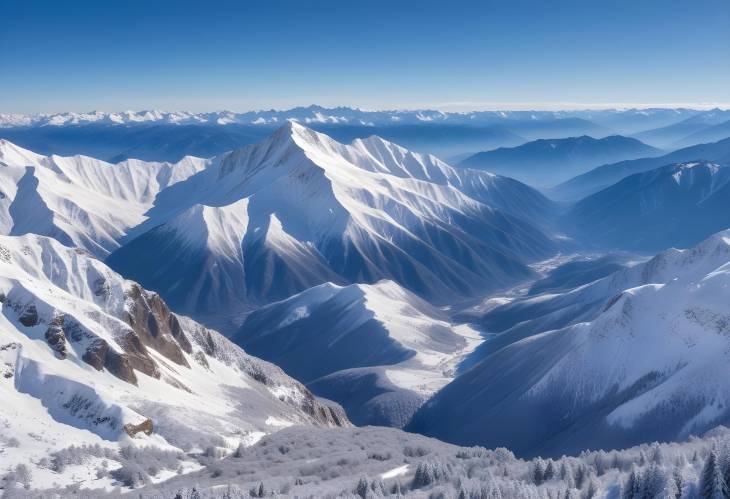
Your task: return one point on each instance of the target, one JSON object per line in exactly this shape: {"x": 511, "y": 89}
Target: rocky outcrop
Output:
{"x": 29, "y": 316}
{"x": 155, "y": 326}
{"x": 99, "y": 355}
{"x": 56, "y": 338}
{"x": 144, "y": 427}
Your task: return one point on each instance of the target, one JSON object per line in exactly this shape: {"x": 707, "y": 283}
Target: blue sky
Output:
{"x": 208, "y": 55}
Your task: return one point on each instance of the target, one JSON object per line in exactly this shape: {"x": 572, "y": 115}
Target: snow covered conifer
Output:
{"x": 538, "y": 472}
{"x": 633, "y": 487}
{"x": 712, "y": 482}
{"x": 549, "y": 472}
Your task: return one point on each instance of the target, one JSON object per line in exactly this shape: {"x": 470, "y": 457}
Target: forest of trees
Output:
{"x": 355, "y": 463}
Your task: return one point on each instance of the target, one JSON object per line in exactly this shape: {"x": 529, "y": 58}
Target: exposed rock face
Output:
{"x": 155, "y": 326}
{"x": 56, "y": 338}
{"x": 144, "y": 427}
{"x": 99, "y": 356}
{"x": 29, "y": 316}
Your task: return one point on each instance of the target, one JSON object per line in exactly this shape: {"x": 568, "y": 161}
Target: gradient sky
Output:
{"x": 79, "y": 55}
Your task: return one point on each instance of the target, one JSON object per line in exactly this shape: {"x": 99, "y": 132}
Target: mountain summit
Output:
{"x": 299, "y": 209}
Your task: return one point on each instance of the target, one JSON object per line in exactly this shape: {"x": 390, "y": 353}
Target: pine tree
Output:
{"x": 592, "y": 490}
{"x": 678, "y": 480}
{"x": 549, "y": 473}
{"x": 632, "y": 487}
{"x": 538, "y": 472}
{"x": 712, "y": 483}
{"x": 580, "y": 477}
{"x": 654, "y": 483}
{"x": 361, "y": 488}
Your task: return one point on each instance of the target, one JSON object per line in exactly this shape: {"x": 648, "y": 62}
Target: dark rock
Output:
{"x": 56, "y": 338}
{"x": 156, "y": 326}
{"x": 120, "y": 366}
{"x": 136, "y": 354}
{"x": 29, "y": 316}
{"x": 144, "y": 427}
{"x": 95, "y": 354}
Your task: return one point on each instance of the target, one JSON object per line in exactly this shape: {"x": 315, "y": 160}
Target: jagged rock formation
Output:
{"x": 148, "y": 363}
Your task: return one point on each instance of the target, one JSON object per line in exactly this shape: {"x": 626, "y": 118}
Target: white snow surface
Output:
{"x": 676, "y": 329}
{"x": 222, "y": 396}
{"x": 310, "y": 210}
{"x": 80, "y": 200}
{"x": 652, "y": 363}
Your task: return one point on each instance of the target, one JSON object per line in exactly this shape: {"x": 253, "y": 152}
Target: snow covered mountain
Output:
{"x": 91, "y": 358}
{"x": 546, "y": 162}
{"x": 651, "y": 365}
{"x": 692, "y": 130}
{"x": 673, "y": 206}
{"x": 604, "y": 176}
{"x": 614, "y": 118}
{"x": 78, "y": 200}
{"x": 300, "y": 209}
{"x": 169, "y": 136}
{"x": 377, "y": 349}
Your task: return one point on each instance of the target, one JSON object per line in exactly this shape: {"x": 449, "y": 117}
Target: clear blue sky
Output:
{"x": 208, "y": 55}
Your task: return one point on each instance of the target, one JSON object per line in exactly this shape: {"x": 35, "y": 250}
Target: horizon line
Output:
{"x": 458, "y": 107}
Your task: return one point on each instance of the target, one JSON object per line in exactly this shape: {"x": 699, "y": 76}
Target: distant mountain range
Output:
{"x": 547, "y": 162}
{"x": 612, "y": 118}
{"x": 606, "y": 175}
{"x": 696, "y": 129}
{"x": 169, "y": 136}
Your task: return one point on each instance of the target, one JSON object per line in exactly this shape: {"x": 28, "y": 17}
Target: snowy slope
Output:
{"x": 299, "y": 209}
{"x": 652, "y": 365}
{"x": 79, "y": 200}
{"x": 377, "y": 349}
{"x": 84, "y": 352}
{"x": 673, "y": 206}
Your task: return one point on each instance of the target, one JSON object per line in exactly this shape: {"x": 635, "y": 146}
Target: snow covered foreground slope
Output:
{"x": 652, "y": 365}
{"x": 377, "y": 349}
{"x": 299, "y": 209}
{"x": 84, "y": 353}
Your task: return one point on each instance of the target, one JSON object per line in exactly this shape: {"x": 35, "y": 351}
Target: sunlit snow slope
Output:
{"x": 78, "y": 200}
{"x": 652, "y": 365}
{"x": 299, "y": 209}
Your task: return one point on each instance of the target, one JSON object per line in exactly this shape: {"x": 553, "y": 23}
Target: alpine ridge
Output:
{"x": 648, "y": 365}
{"x": 299, "y": 209}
